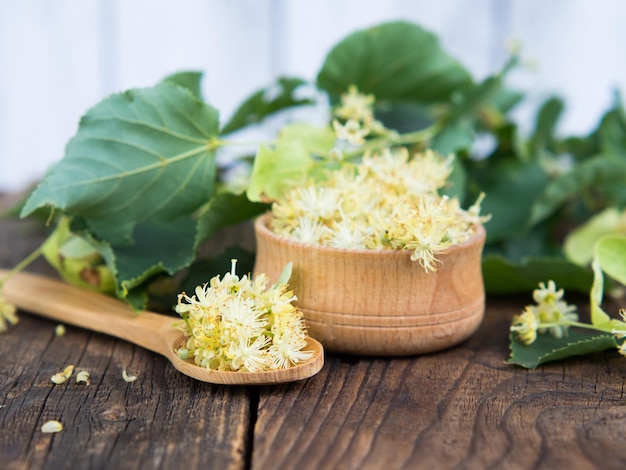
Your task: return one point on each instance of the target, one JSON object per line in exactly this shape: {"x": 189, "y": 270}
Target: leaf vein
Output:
{"x": 154, "y": 127}
{"x": 189, "y": 119}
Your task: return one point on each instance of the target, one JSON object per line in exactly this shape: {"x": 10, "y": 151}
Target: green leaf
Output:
{"x": 276, "y": 169}
{"x": 545, "y": 126}
{"x": 595, "y": 173}
{"x": 146, "y": 154}
{"x": 457, "y": 181}
{"x": 503, "y": 276}
{"x": 77, "y": 247}
{"x": 472, "y": 99}
{"x": 454, "y": 138}
{"x": 223, "y": 210}
{"x": 505, "y": 99}
{"x": 192, "y": 80}
{"x": 511, "y": 187}
{"x": 285, "y": 274}
{"x": 546, "y": 348}
{"x": 159, "y": 247}
{"x": 316, "y": 140}
{"x": 579, "y": 243}
{"x": 395, "y": 61}
{"x": 265, "y": 102}
{"x": 403, "y": 116}
{"x": 610, "y": 251}
{"x": 599, "y": 317}
{"x": 612, "y": 130}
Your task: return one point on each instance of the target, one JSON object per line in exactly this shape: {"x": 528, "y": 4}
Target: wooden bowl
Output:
{"x": 372, "y": 302}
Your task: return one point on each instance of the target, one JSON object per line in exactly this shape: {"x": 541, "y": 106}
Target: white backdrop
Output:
{"x": 58, "y": 58}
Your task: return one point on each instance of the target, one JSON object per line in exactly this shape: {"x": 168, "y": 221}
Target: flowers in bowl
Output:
{"x": 383, "y": 262}
{"x": 387, "y": 201}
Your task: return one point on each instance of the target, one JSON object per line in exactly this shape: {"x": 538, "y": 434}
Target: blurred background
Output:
{"x": 59, "y": 58}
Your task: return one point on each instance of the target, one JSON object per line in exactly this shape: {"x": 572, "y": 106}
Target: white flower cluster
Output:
{"x": 551, "y": 314}
{"x": 388, "y": 201}
{"x": 239, "y": 324}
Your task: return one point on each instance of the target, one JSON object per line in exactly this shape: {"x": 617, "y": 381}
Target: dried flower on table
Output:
{"x": 51, "y": 427}
{"x": 83, "y": 376}
{"x": 128, "y": 378}
{"x": 61, "y": 377}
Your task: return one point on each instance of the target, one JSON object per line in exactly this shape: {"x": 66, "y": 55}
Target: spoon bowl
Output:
{"x": 97, "y": 312}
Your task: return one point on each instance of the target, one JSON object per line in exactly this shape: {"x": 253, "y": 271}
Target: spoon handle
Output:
{"x": 90, "y": 310}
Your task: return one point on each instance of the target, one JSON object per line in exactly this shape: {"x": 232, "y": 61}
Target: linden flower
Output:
{"x": 356, "y": 106}
{"x": 524, "y": 326}
{"x": 240, "y": 324}
{"x": 388, "y": 201}
{"x": 552, "y": 311}
{"x": 551, "y": 314}
{"x": 352, "y": 131}
{"x": 547, "y": 294}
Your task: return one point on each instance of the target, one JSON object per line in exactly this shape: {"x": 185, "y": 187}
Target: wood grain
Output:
{"x": 461, "y": 408}
{"x": 162, "y": 420}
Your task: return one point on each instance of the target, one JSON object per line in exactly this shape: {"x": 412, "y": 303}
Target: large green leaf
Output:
{"x": 146, "y": 154}
{"x": 396, "y": 61}
{"x": 265, "y": 102}
{"x": 192, "y": 80}
{"x": 503, "y": 276}
{"x": 158, "y": 248}
{"x": 546, "y": 348}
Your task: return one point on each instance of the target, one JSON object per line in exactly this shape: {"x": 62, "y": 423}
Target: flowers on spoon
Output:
{"x": 241, "y": 324}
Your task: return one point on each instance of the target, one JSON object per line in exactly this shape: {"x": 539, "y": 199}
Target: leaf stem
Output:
{"x": 237, "y": 143}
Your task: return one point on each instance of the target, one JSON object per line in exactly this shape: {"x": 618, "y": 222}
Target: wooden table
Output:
{"x": 461, "y": 408}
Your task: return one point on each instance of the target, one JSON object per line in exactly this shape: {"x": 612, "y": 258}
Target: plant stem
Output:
{"x": 22, "y": 264}
{"x": 415, "y": 137}
{"x": 578, "y": 324}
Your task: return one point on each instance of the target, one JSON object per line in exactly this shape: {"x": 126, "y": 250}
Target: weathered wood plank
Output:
{"x": 462, "y": 408}
{"x": 162, "y": 420}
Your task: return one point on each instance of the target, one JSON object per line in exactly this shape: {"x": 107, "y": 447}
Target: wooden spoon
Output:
{"x": 93, "y": 311}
